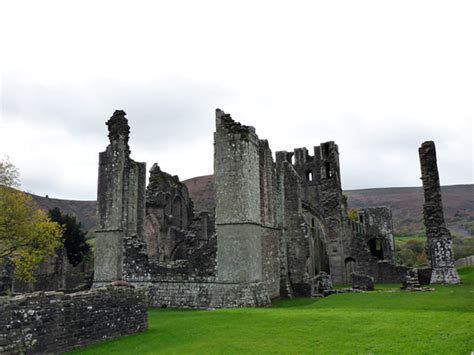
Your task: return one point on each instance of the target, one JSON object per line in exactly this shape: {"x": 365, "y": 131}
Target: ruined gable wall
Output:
{"x": 169, "y": 213}
{"x": 378, "y": 224}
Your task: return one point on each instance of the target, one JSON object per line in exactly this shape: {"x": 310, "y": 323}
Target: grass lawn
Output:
{"x": 384, "y": 321}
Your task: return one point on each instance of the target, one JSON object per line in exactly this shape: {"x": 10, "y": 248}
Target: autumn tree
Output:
{"x": 353, "y": 214}
{"x": 27, "y": 235}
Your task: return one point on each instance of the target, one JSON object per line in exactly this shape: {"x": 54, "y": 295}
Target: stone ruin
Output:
{"x": 278, "y": 225}
{"x": 440, "y": 244}
{"x": 280, "y": 229}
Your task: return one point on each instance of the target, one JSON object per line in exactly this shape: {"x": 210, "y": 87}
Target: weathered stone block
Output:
{"x": 362, "y": 282}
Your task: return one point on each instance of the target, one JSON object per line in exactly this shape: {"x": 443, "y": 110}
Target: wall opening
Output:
{"x": 167, "y": 204}
{"x": 328, "y": 170}
{"x": 179, "y": 251}
{"x": 177, "y": 212}
{"x": 376, "y": 248}
{"x": 326, "y": 149}
{"x": 309, "y": 175}
{"x": 350, "y": 267}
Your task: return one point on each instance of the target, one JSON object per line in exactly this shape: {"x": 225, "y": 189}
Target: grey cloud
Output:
{"x": 160, "y": 113}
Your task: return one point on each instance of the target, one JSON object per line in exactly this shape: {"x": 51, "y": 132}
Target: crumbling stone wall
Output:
{"x": 299, "y": 248}
{"x": 378, "y": 232}
{"x": 439, "y": 240}
{"x": 121, "y": 203}
{"x": 275, "y": 227}
{"x": 321, "y": 184}
{"x": 169, "y": 212}
{"x": 55, "y": 322}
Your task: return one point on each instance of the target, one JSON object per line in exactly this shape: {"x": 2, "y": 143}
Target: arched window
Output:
{"x": 309, "y": 175}
{"x": 328, "y": 170}
{"x": 168, "y": 204}
{"x": 177, "y": 212}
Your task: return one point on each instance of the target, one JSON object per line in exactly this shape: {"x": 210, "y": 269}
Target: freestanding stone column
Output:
{"x": 440, "y": 245}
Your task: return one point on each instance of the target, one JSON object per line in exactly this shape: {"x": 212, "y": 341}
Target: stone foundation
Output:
{"x": 183, "y": 294}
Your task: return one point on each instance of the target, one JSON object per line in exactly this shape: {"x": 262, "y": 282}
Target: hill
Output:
{"x": 406, "y": 204}
{"x": 84, "y": 211}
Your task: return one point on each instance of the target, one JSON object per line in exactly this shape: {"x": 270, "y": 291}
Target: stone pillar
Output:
{"x": 439, "y": 239}
{"x": 334, "y": 209}
{"x": 121, "y": 203}
{"x": 238, "y": 218}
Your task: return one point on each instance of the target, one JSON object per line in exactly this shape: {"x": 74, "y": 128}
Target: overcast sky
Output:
{"x": 377, "y": 77}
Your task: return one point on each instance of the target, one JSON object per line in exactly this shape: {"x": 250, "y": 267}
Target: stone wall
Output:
{"x": 54, "y": 322}
{"x": 295, "y": 233}
{"x": 207, "y": 294}
{"x": 246, "y": 207}
{"x": 363, "y": 262}
{"x": 378, "y": 231}
{"x": 466, "y": 261}
{"x": 169, "y": 213}
{"x": 321, "y": 184}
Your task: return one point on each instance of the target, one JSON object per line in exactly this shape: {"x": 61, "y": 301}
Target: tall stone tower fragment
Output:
{"x": 438, "y": 236}
{"x": 121, "y": 203}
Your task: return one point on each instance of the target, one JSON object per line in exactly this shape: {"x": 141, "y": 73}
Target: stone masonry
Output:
{"x": 54, "y": 322}
{"x": 440, "y": 245}
{"x": 277, "y": 226}
{"x": 121, "y": 202}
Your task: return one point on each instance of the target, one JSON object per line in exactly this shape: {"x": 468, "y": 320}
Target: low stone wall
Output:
{"x": 181, "y": 294}
{"x": 467, "y": 261}
{"x": 53, "y": 322}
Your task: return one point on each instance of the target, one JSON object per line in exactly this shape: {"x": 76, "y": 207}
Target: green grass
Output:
{"x": 402, "y": 239}
{"x": 379, "y": 322}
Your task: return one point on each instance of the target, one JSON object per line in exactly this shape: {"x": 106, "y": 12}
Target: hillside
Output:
{"x": 406, "y": 203}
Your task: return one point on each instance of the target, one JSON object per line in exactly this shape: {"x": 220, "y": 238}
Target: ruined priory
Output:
{"x": 280, "y": 226}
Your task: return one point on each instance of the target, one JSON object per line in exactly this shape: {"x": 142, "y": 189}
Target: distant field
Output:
{"x": 379, "y": 322}
{"x": 400, "y": 240}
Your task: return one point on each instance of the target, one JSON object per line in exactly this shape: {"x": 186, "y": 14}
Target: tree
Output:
{"x": 74, "y": 238}
{"x": 27, "y": 235}
{"x": 353, "y": 214}
{"x": 9, "y": 175}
